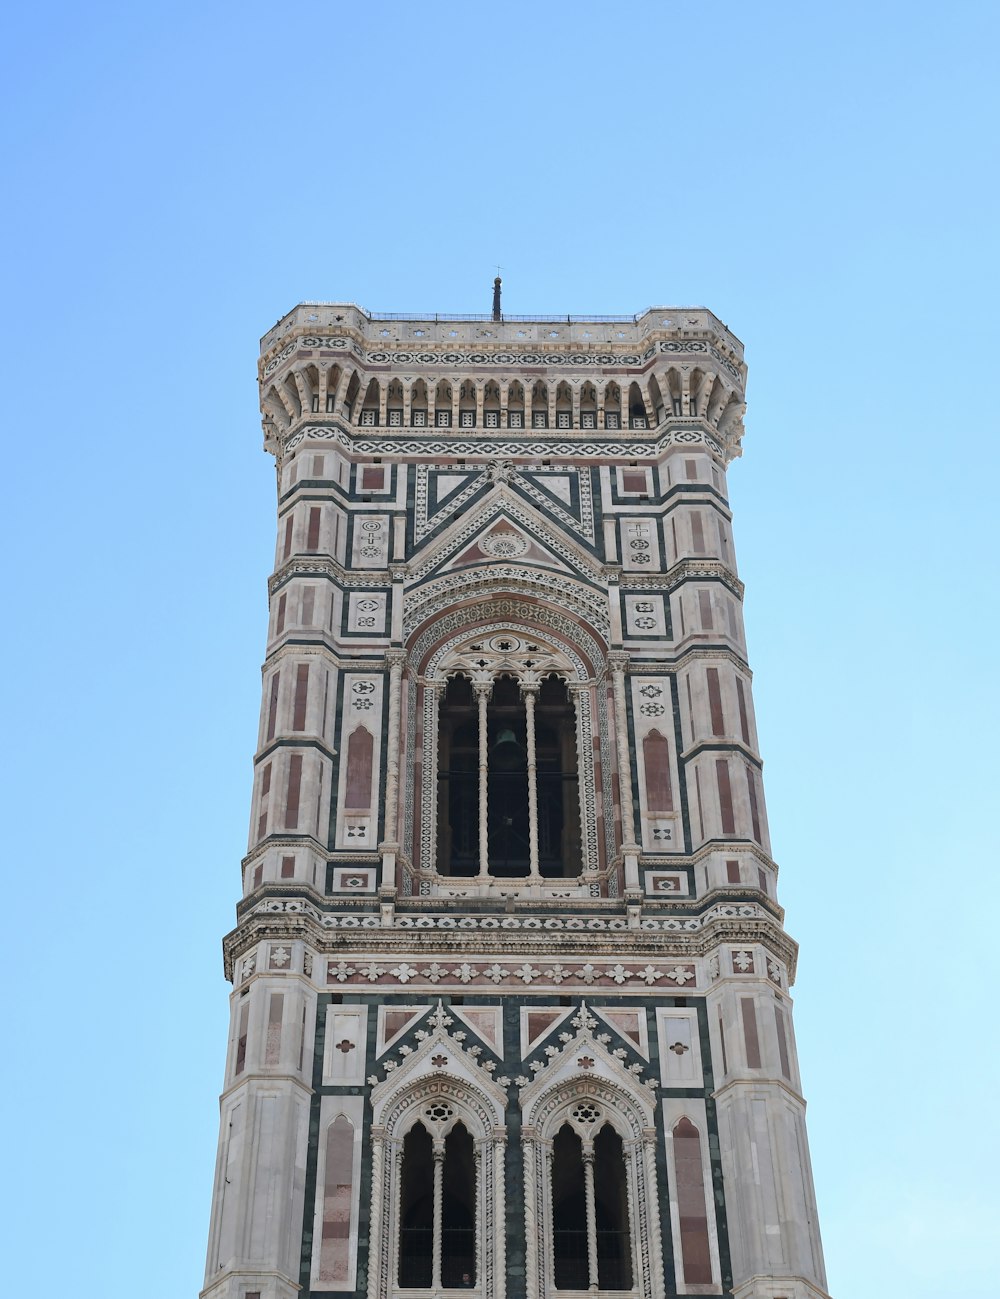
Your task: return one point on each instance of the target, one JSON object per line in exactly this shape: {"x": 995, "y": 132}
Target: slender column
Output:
{"x": 379, "y": 1206}
{"x": 498, "y": 1242}
{"x": 483, "y": 691}
{"x": 529, "y": 693}
{"x": 390, "y": 845}
{"x": 427, "y": 859}
{"x": 438, "y": 1209}
{"x": 617, "y": 662}
{"x": 588, "y": 1184}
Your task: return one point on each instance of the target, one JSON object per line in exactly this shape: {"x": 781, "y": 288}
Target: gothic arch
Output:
{"x": 419, "y": 1100}
{"x": 438, "y": 636}
{"x": 630, "y": 1115}
{"x": 586, "y": 604}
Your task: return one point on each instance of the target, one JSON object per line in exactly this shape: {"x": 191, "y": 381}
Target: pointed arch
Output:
{"x": 370, "y": 406}
{"x": 636, "y": 407}
{"x": 333, "y": 377}
{"x": 351, "y": 395}
{"x": 464, "y": 1121}
{"x": 656, "y": 400}
{"x": 624, "y": 1212}
{"x": 418, "y": 404}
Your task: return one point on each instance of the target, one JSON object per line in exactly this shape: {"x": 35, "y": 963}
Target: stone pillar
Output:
{"x": 426, "y": 850}
{"x": 390, "y": 844}
{"x": 618, "y": 662}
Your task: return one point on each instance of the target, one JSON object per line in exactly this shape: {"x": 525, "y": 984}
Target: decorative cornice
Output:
{"x": 580, "y": 444}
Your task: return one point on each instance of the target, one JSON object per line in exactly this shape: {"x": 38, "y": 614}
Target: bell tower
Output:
{"x": 511, "y": 1011}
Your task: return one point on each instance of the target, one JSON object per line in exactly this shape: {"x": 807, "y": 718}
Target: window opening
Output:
{"x": 416, "y": 1210}
{"x": 508, "y": 806}
{"x": 437, "y": 1233}
{"x": 614, "y": 1249}
{"x": 458, "y": 1211}
{"x": 569, "y": 1212}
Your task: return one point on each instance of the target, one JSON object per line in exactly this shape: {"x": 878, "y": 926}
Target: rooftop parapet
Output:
{"x": 554, "y": 332}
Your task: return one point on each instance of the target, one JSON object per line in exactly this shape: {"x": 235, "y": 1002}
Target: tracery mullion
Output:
{"x": 438, "y": 1214}
{"x": 433, "y": 691}
{"x": 482, "y": 699}
{"x": 591, "y": 1201}
{"x": 530, "y": 695}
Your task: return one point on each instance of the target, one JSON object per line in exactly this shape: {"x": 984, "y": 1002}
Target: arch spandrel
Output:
{"x": 577, "y": 642}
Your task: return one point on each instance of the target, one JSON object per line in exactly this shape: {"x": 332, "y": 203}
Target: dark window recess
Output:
{"x": 569, "y": 1212}
{"x": 559, "y": 850}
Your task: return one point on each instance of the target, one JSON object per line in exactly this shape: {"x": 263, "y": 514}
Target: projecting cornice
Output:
{"x": 446, "y": 340}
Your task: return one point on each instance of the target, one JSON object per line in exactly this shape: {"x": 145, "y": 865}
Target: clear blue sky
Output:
{"x": 824, "y": 177}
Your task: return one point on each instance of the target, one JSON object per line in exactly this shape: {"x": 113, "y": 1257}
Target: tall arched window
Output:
{"x": 590, "y": 1186}
{"x": 513, "y": 762}
{"x": 590, "y": 1211}
{"x": 614, "y": 1243}
{"x": 569, "y": 1212}
{"x": 458, "y": 1210}
{"x": 416, "y": 1210}
{"x": 437, "y": 1210}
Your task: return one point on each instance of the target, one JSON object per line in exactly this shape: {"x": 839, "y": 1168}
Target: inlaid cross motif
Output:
{"x": 586, "y": 1062}
{"x": 678, "y": 1048}
{"x": 345, "y": 1046}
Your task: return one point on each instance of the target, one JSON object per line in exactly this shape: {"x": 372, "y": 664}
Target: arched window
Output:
{"x": 437, "y": 1211}
{"x": 458, "y": 1210}
{"x": 636, "y": 408}
{"x": 614, "y": 1246}
{"x": 416, "y": 1210}
{"x": 437, "y": 1166}
{"x": 418, "y": 404}
{"x": 590, "y": 1200}
{"x": 590, "y": 1212}
{"x": 569, "y": 1212}
{"x": 515, "y": 405}
{"x": 532, "y": 804}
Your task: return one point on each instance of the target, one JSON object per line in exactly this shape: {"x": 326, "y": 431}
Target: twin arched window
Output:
{"x": 591, "y": 1236}
{"x": 590, "y": 1212}
{"x": 437, "y": 1210}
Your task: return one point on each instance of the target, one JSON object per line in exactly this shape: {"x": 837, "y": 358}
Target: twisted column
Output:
{"x": 438, "y": 1212}
{"x": 529, "y": 693}
{"x": 618, "y": 662}
{"x": 483, "y": 690}
{"x": 588, "y": 1185}
{"x": 390, "y": 845}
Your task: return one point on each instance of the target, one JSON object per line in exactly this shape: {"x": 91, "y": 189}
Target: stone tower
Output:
{"x": 510, "y": 1009}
